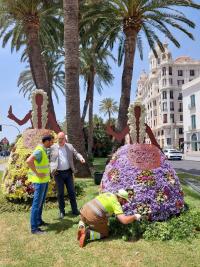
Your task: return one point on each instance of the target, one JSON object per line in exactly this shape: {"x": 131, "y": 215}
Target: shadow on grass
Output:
{"x": 60, "y": 226}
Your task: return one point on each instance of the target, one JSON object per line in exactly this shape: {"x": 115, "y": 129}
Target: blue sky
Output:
{"x": 10, "y": 68}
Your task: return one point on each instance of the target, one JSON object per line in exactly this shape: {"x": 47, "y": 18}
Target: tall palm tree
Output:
{"x": 108, "y": 106}
{"x": 32, "y": 24}
{"x": 127, "y": 21}
{"x": 95, "y": 70}
{"x": 71, "y": 44}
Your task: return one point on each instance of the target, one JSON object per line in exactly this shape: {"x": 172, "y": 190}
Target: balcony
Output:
{"x": 180, "y": 110}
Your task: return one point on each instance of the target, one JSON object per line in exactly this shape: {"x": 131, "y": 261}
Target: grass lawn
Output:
{"x": 60, "y": 248}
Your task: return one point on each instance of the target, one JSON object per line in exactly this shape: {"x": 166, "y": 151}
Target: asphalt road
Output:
{"x": 192, "y": 167}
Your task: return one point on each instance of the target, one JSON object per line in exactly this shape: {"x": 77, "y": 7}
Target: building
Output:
{"x": 191, "y": 119}
{"x": 161, "y": 92}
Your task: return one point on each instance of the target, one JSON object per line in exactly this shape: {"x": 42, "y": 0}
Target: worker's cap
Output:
{"x": 123, "y": 194}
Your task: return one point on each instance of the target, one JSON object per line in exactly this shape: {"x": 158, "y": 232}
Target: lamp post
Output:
{"x": 10, "y": 125}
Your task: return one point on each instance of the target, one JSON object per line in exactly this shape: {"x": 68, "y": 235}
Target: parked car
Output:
{"x": 171, "y": 153}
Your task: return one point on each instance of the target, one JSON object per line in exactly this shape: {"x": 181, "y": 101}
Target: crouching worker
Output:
{"x": 94, "y": 215}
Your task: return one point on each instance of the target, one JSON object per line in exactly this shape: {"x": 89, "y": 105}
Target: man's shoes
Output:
{"x": 38, "y": 232}
{"x": 43, "y": 224}
{"x": 76, "y": 213}
{"x": 61, "y": 215}
{"x": 82, "y": 235}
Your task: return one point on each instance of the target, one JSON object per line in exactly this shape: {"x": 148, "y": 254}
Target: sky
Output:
{"x": 10, "y": 68}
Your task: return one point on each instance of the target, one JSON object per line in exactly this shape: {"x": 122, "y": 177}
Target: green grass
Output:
{"x": 60, "y": 248}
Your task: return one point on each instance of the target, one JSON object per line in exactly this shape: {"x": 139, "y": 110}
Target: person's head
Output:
{"x": 122, "y": 196}
{"x": 47, "y": 141}
{"x": 61, "y": 139}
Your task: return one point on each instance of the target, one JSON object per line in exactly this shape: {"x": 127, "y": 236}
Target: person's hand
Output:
{"x": 137, "y": 216}
{"x": 82, "y": 161}
{"x": 41, "y": 175}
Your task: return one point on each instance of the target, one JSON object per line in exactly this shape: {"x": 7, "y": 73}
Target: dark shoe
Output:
{"x": 76, "y": 213}
{"x": 43, "y": 224}
{"x": 38, "y": 232}
{"x": 61, "y": 215}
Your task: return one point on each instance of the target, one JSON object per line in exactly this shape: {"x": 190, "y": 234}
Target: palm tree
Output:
{"x": 108, "y": 106}
{"x": 32, "y": 24}
{"x": 56, "y": 76}
{"x": 71, "y": 43}
{"x": 127, "y": 21}
{"x": 95, "y": 70}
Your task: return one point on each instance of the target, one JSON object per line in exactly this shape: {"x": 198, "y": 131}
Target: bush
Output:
{"x": 185, "y": 226}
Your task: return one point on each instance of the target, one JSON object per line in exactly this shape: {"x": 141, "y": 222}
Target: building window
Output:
{"x": 172, "y": 118}
{"x": 170, "y": 81}
{"x": 180, "y": 130}
{"x": 192, "y": 73}
{"x": 163, "y": 71}
{"x": 171, "y": 106}
{"x": 171, "y": 94}
{"x": 169, "y": 141}
{"x": 158, "y": 133}
{"x": 154, "y": 103}
{"x": 158, "y": 60}
{"x": 181, "y": 117}
{"x": 162, "y": 132}
{"x": 192, "y": 100}
{"x": 194, "y": 142}
{"x": 164, "y": 118}
{"x": 164, "y": 82}
{"x": 180, "y": 96}
{"x": 164, "y": 95}
{"x": 180, "y": 73}
{"x": 170, "y": 70}
{"x": 155, "y": 112}
{"x": 180, "y": 82}
{"x": 164, "y": 106}
{"x": 193, "y": 121}
{"x": 180, "y": 109}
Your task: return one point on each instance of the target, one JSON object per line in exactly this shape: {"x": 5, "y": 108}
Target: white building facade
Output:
{"x": 161, "y": 92}
{"x": 191, "y": 119}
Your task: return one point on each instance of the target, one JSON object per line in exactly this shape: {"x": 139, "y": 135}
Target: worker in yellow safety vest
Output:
{"x": 39, "y": 176}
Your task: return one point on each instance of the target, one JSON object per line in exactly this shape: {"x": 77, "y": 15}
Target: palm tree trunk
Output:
{"x": 71, "y": 43}
{"x": 91, "y": 128}
{"x": 37, "y": 64}
{"x": 130, "y": 45}
{"x": 86, "y": 103}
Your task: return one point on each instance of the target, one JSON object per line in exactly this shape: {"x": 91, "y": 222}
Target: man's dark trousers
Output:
{"x": 65, "y": 178}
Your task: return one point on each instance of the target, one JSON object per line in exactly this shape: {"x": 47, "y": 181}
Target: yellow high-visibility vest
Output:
{"x": 41, "y": 167}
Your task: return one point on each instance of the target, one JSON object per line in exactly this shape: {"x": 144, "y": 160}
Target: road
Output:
{"x": 192, "y": 167}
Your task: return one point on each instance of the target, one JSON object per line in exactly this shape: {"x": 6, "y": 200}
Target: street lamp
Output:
{"x": 10, "y": 125}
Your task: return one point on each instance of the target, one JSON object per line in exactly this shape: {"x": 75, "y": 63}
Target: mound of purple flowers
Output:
{"x": 156, "y": 193}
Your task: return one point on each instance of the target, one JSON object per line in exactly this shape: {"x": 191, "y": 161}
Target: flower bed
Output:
{"x": 154, "y": 192}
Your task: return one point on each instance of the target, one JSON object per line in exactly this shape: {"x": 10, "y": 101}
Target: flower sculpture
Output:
{"x": 142, "y": 169}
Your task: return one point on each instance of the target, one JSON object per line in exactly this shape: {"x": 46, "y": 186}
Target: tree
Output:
{"x": 95, "y": 70}
{"x": 33, "y": 24}
{"x": 71, "y": 43}
{"x": 108, "y": 106}
{"x": 127, "y": 21}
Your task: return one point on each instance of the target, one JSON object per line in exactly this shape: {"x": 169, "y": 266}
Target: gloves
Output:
{"x": 137, "y": 216}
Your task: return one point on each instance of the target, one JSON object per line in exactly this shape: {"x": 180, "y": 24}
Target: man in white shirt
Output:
{"x": 62, "y": 168}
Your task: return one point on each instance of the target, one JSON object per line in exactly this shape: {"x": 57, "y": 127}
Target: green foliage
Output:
{"x": 102, "y": 142}
{"x": 185, "y": 226}
{"x": 20, "y": 205}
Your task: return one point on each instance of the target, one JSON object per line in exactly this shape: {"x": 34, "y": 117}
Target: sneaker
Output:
{"x": 38, "y": 232}
{"x": 82, "y": 237}
{"x": 43, "y": 224}
{"x": 61, "y": 215}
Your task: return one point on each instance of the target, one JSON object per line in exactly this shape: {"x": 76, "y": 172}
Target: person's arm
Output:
{"x": 77, "y": 155}
{"x": 129, "y": 218}
{"x": 31, "y": 164}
